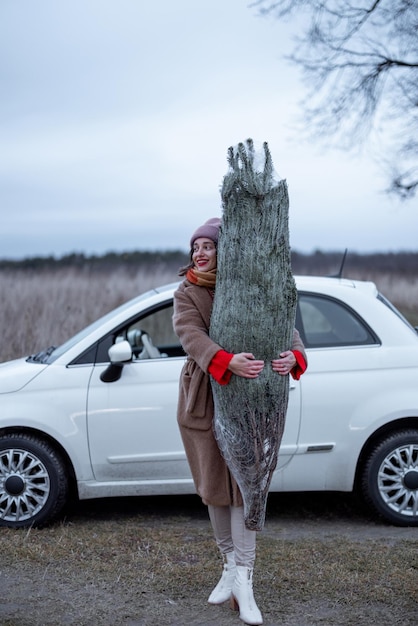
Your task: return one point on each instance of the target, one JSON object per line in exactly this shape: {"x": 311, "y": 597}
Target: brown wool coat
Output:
{"x": 191, "y": 319}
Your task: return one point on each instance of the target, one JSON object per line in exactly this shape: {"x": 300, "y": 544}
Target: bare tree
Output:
{"x": 361, "y": 61}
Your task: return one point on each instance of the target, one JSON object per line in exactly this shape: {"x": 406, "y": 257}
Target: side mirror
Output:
{"x": 119, "y": 354}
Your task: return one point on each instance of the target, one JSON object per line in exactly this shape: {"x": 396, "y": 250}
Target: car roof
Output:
{"x": 325, "y": 284}
{"x": 305, "y": 282}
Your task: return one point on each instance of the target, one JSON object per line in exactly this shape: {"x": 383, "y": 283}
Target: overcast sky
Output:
{"x": 116, "y": 117}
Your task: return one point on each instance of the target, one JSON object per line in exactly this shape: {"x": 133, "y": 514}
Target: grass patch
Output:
{"x": 146, "y": 570}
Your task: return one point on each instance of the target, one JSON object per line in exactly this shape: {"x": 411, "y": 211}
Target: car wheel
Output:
{"x": 390, "y": 478}
{"x": 33, "y": 482}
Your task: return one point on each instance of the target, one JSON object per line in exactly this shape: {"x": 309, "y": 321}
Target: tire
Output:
{"x": 390, "y": 478}
{"x": 33, "y": 482}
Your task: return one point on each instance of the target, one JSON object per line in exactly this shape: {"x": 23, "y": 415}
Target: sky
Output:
{"x": 116, "y": 117}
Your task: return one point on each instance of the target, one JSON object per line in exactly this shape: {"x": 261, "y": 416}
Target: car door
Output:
{"x": 289, "y": 443}
{"x": 132, "y": 425}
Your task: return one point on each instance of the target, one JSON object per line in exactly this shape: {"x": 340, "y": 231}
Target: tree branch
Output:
{"x": 362, "y": 64}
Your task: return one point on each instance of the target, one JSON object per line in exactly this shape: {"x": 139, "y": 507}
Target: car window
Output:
{"x": 153, "y": 336}
{"x": 89, "y": 356}
{"x": 326, "y": 322}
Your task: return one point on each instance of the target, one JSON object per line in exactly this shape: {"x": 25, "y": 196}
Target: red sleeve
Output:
{"x": 300, "y": 366}
{"x": 218, "y": 367}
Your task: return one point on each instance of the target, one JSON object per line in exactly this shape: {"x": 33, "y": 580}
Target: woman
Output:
{"x": 192, "y": 309}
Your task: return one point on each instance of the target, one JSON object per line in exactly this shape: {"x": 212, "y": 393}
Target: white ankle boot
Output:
{"x": 242, "y": 597}
{"x": 222, "y": 591}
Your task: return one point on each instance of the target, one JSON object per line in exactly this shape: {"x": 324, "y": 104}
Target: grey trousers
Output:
{"x": 231, "y": 534}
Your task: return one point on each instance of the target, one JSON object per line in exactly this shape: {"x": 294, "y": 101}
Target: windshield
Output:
{"x": 42, "y": 356}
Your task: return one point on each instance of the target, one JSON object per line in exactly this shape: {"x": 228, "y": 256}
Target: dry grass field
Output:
{"x": 45, "y": 307}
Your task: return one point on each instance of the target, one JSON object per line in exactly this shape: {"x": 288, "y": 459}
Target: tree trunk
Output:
{"x": 254, "y": 311}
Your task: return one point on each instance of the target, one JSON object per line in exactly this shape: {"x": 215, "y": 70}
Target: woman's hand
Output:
{"x": 244, "y": 364}
{"x": 285, "y": 363}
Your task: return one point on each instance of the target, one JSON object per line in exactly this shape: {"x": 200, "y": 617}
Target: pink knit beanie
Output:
{"x": 209, "y": 229}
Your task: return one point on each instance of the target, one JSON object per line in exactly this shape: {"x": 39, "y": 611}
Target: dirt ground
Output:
{"x": 307, "y": 530}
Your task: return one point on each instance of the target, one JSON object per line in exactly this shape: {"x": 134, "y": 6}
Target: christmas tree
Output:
{"x": 253, "y": 311}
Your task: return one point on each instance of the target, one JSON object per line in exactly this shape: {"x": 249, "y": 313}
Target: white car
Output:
{"x": 97, "y": 415}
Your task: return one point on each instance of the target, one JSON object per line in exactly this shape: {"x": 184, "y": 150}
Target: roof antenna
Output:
{"x": 340, "y": 273}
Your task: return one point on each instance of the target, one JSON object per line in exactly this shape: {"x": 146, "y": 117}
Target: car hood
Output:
{"x": 16, "y": 374}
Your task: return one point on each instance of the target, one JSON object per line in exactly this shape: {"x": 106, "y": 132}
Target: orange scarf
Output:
{"x": 202, "y": 279}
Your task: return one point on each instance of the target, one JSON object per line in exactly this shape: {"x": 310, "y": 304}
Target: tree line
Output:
{"x": 316, "y": 262}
